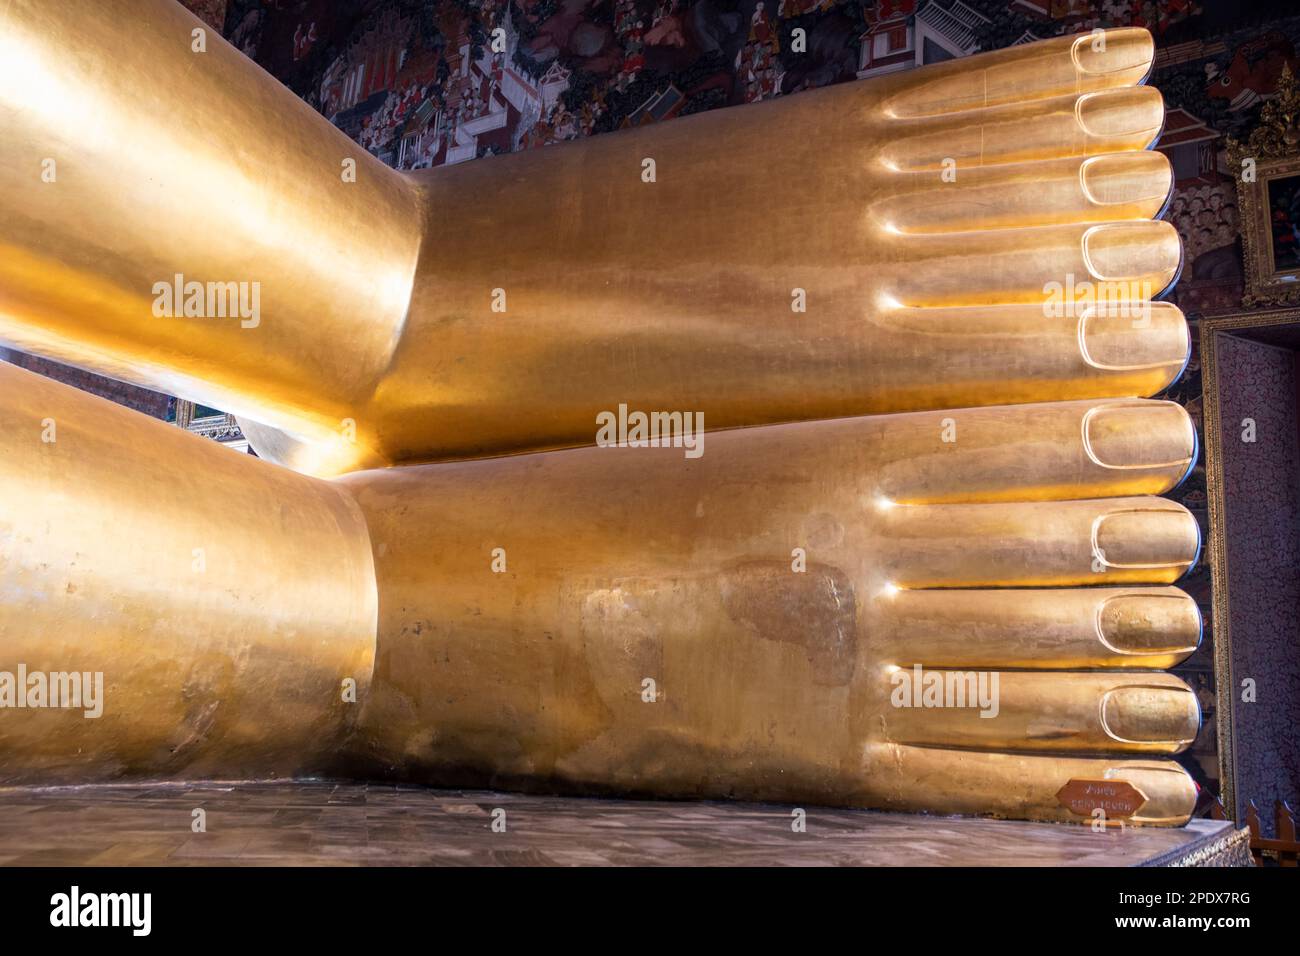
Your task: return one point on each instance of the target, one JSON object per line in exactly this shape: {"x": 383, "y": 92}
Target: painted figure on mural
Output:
{"x": 303, "y": 40}
{"x": 1253, "y": 73}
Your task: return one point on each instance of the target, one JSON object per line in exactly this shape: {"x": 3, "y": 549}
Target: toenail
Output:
{"x": 1108, "y": 340}
{"x": 1120, "y": 251}
{"x": 1135, "y": 109}
{"x": 1149, "y": 624}
{"x": 1145, "y": 538}
{"x": 1150, "y": 713}
{"x": 1121, "y": 178}
{"x": 1129, "y": 435}
{"x": 1113, "y": 51}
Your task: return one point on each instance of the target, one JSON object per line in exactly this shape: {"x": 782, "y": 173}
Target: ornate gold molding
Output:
{"x": 1225, "y": 686}
{"x": 1271, "y": 152}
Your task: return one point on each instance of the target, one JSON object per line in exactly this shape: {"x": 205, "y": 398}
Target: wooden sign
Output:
{"x": 1116, "y": 798}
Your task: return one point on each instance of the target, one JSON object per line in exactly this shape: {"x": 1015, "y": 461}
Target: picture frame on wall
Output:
{"x": 1267, "y": 171}
{"x": 1270, "y": 219}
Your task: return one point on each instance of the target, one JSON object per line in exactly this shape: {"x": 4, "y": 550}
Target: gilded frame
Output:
{"x": 1265, "y": 285}
{"x": 1271, "y": 152}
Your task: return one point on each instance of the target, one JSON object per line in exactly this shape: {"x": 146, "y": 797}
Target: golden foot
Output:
{"x": 786, "y": 617}
{"x": 952, "y": 236}
{"x": 768, "y": 620}
{"x": 771, "y": 620}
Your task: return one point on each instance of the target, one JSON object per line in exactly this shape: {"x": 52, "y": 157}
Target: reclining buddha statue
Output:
{"x": 917, "y": 316}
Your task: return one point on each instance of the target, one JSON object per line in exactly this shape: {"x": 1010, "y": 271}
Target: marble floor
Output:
{"x": 321, "y": 823}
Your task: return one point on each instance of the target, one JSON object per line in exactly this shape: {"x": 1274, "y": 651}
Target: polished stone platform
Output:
{"x": 320, "y": 823}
